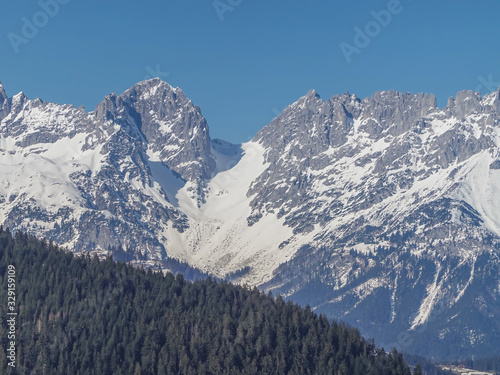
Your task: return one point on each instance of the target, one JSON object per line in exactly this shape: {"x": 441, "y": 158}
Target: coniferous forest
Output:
{"x": 482, "y": 364}
{"x": 82, "y": 315}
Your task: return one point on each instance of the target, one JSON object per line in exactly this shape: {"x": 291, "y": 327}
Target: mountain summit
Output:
{"x": 382, "y": 211}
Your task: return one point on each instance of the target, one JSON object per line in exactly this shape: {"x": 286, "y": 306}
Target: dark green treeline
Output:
{"x": 85, "y": 316}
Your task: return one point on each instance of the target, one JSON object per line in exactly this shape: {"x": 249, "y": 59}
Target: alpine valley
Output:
{"x": 383, "y": 212}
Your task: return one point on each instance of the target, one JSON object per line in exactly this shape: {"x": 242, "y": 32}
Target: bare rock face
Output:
{"x": 4, "y": 103}
{"x": 495, "y": 165}
{"x": 467, "y": 102}
{"x": 173, "y": 127}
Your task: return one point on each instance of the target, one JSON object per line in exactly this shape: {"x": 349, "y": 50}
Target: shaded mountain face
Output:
{"x": 4, "y": 103}
{"x": 383, "y": 212}
{"x": 174, "y": 129}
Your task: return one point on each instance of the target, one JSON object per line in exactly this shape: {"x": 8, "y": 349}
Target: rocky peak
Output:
{"x": 310, "y": 120}
{"x": 18, "y": 102}
{"x": 36, "y": 121}
{"x": 467, "y": 102}
{"x": 491, "y": 102}
{"x": 115, "y": 110}
{"x": 175, "y": 129}
{"x": 496, "y": 101}
{"x": 4, "y": 103}
{"x": 108, "y": 108}
{"x": 312, "y": 94}
{"x": 3, "y": 95}
{"x": 394, "y": 112}
{"x": 151, "y": 88}
{"x": 294, "y": 125}
{"x": 9, "y": 113}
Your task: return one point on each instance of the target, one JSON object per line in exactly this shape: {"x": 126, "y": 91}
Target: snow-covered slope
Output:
{"x": 219, "y": 239}
{"x": 384, "y": 212}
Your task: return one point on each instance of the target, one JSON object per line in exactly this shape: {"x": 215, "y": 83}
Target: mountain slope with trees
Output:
{"x": 82, "y": 315}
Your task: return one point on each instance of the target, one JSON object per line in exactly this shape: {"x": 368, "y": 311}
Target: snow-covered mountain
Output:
{"x": 383, "y": 212}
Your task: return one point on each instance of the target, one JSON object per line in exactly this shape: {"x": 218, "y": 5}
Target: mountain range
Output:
{"x": 383, "y": 212}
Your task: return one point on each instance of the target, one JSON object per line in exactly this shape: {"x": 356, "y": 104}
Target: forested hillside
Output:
{"x": 86, "y": 316}
{"x": 482, "y": 364}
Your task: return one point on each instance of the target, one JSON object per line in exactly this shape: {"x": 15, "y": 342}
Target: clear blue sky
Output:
{"x": 260, "y": 58}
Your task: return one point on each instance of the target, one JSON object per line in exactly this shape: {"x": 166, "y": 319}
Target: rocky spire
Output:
{"x": 3, "y": 96}
{"x": 4, "y": 103}
{"x": 173, "y": 126}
